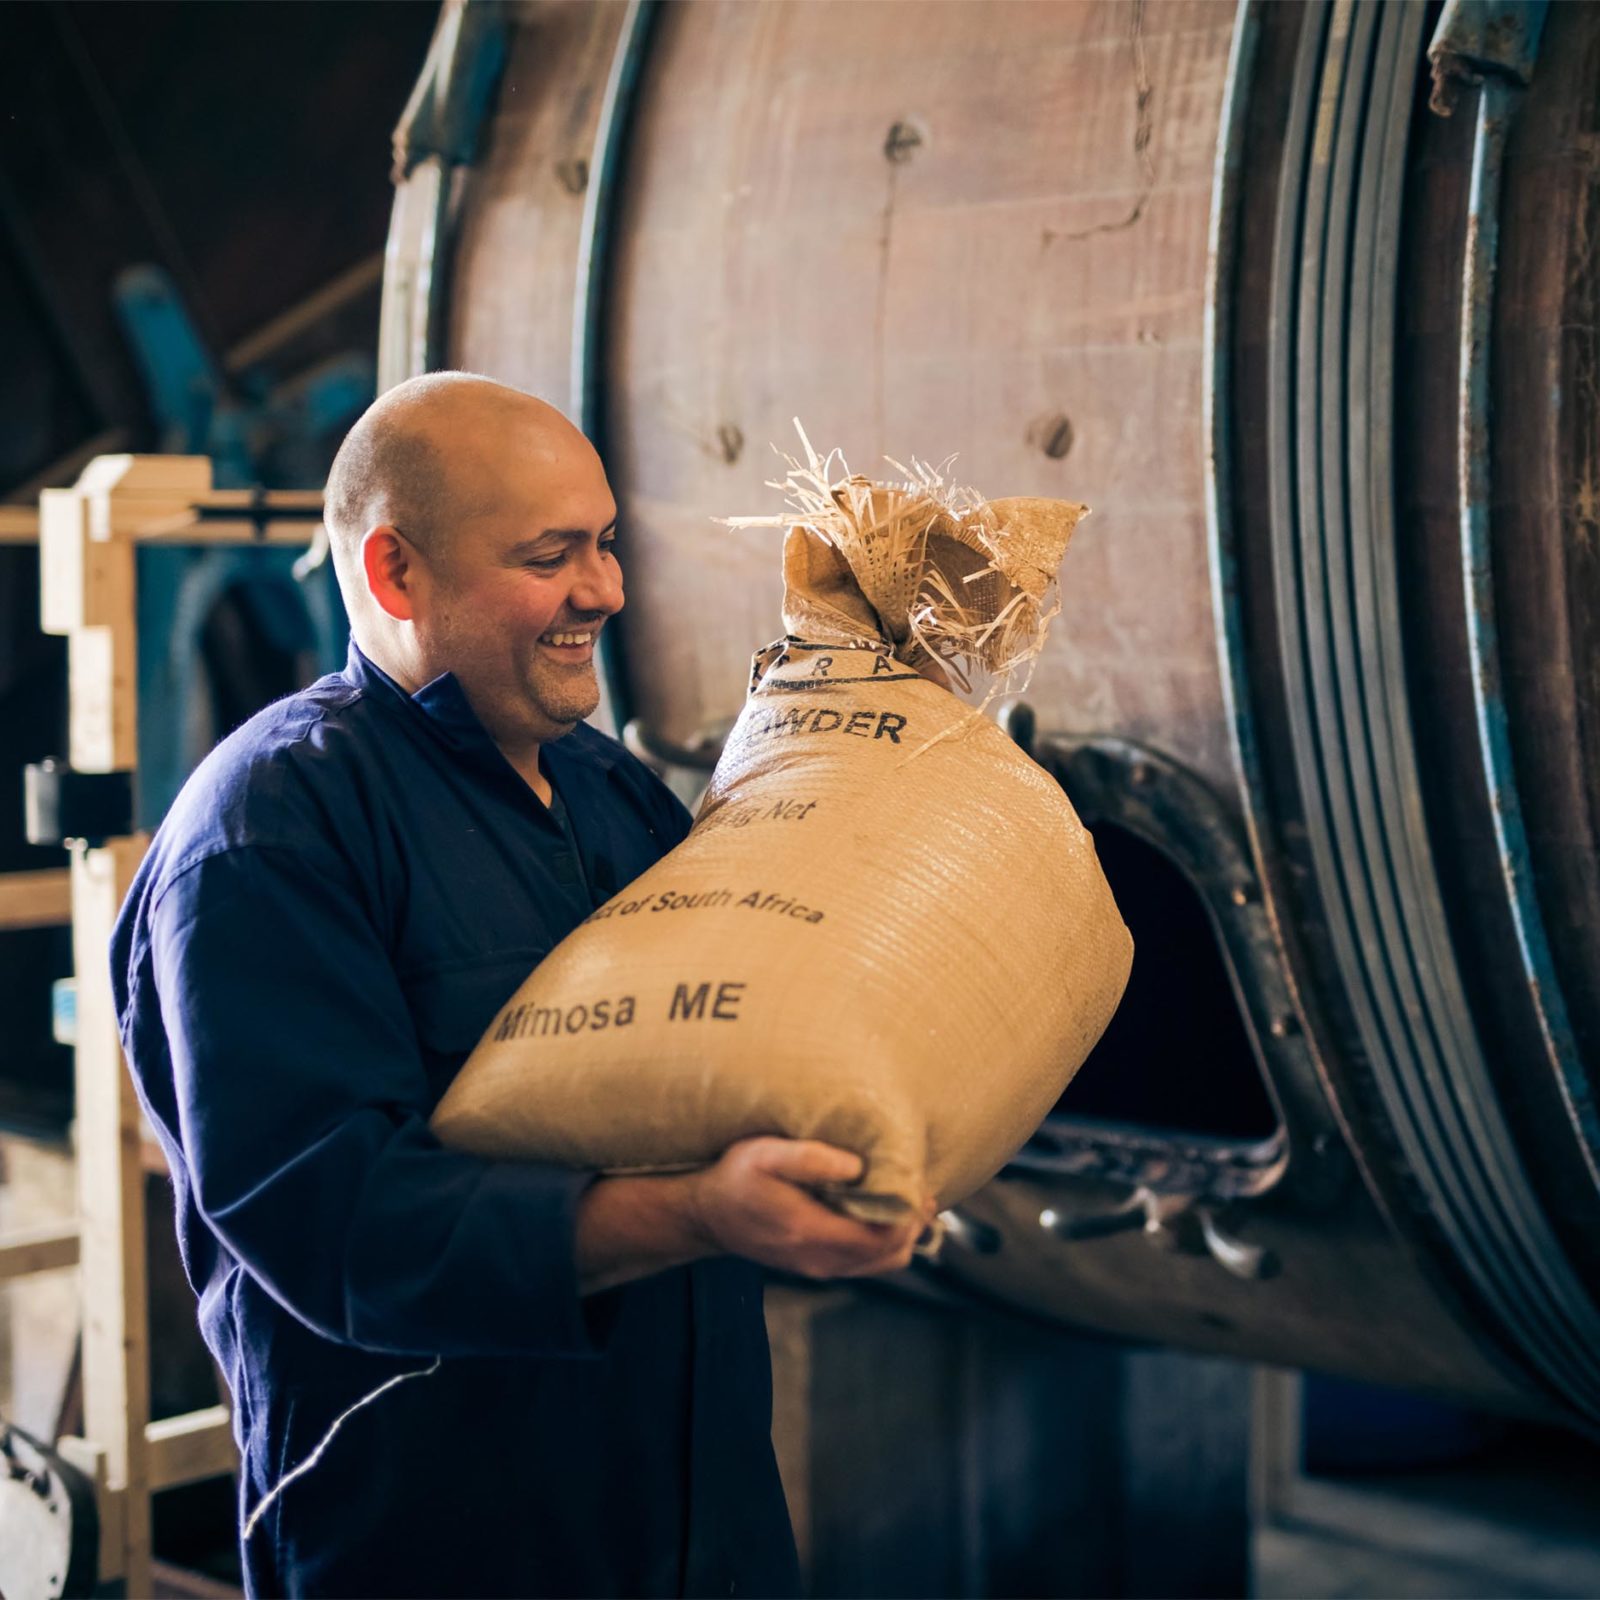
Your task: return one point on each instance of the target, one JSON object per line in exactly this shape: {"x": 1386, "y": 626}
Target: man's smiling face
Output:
{"x": 520, "y": 586}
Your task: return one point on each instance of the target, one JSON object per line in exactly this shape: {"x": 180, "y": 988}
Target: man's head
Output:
{"x": 471, "y": 528}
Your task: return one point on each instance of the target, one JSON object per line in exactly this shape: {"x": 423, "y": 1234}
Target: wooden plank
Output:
{"x": 116, "y": 1357}
{"x": 275, "y": 499}
{"x": 65, "y": 469}
{"x": 1185, "y": 1469}
{"x": 1276, "y": 1447}
{"x": 36, "y": 899}
{"x": 191, "y": 1447}
{"x": 185, "y": 478}
{"x": 179, "y": 1583}
{"x": 44, "y": 1249}
{"x": 187, "y": 531}
{"x": 62, "y": 532}
{"x": 886, "y": 1488}
{"x": 19, "y": 525}
{"x": 102, "y": 677}
{"x": 926, "y": 1449}
{"x": 333, "y": 296}
{"x": 110, "y": 1503}
{"x": 1041, "y": 1429}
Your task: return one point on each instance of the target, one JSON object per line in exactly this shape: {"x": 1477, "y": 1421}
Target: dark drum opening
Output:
{"x": 1177, "y": 1056}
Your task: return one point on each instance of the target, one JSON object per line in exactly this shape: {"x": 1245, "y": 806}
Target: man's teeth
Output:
{"x": 568, "y": 638}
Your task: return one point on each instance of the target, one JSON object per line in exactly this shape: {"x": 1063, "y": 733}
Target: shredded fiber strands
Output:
{"x": 930, "y": 569}
{"x": 887, "y": 930}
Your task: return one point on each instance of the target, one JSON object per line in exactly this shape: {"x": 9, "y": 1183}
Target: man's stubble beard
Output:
{"x": 562, "y": 699}
{"x": 539, "y": 701}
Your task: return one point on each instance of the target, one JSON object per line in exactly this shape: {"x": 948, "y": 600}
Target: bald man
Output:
{"x": 340, "y": 900}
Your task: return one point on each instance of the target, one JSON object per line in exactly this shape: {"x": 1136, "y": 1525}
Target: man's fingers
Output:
{"x": 890, "y": 1254}
{"x": 821, "y": 1225}
{"x": 770, "y": 1210}
{"x": 807, "y": 1161}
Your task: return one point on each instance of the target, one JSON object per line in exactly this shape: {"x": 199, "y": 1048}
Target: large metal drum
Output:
{"x": 1323, "y": 362}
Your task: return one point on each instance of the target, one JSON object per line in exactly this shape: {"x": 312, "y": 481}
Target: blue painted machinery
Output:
{"x": 285, "y": 608}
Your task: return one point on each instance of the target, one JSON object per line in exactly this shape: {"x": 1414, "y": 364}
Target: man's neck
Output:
{"x": 528, "y": 769}
{"x": 394, "y": 664}
{"x": 524, "y": 757}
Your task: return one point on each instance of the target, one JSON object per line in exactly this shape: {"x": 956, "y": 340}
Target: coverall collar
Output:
{"x": 443, "y": 708}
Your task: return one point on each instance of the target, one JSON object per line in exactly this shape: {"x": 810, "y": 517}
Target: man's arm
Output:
{"x": 754, "y": 1202}
{"x": 301, "y": 1099}
{"x": 302, "y": 1105}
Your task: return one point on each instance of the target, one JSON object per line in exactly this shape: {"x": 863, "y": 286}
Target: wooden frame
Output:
{"x": 88, "y": 536}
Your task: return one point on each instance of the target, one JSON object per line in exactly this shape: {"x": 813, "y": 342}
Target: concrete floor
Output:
{"x": 1306, "y": 1564}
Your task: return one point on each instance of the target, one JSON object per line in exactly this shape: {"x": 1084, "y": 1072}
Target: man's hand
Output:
{"x": 754, "y": 1202}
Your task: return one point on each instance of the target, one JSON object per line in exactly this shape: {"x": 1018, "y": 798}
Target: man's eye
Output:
{"x": 547, "y": 563}
{"x": 608, "y": 547}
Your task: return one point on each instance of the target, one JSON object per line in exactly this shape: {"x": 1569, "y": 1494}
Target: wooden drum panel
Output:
{"x": 977, "y": 230}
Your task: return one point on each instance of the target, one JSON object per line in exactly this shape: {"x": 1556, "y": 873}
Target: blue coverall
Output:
{"x": 340, "y": 900}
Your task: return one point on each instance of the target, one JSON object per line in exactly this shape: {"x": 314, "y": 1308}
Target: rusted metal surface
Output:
{"x": 438, "y": 136}
{"x": 595, "y": 241}
{"x": 1498, "y": 103}
{"x": 1481, "y": 39}
{"x": 1537, "y": 584}
{"x": 1375, "y": 892}
{"x": 445, "y": 115}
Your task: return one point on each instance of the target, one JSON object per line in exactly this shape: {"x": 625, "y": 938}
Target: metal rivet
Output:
{"x": 1284, "y": 1026}
{"x": 904, "y": 137}
{"x": 1052, "y": 433}
{"x": 1141, "y": 773}
{"x": 1243, "y": 894}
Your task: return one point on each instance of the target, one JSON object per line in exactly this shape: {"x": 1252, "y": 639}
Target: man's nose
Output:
{"x": 598, "y": 585}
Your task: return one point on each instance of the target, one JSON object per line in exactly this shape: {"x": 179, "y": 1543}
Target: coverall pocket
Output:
{"x": 452, "y": 1004}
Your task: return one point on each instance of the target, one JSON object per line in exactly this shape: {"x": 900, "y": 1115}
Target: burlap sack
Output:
{"x": 888, "y": 929}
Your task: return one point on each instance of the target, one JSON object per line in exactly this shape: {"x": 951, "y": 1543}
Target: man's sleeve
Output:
{"x": 303, "y": 1104}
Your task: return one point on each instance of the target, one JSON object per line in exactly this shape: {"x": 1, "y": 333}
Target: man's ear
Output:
{"x": 391, "y": 568}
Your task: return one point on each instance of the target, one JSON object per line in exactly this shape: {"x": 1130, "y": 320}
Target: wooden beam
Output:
{"x": 116, "y": 1349}
{"x": 273, "y": 531}
{"x": 191, "y": 1447}
{"x": 179, "y": 1583}
{"x": 362, "y": 278}
{"x": 44, "y": 1249}
{"x": 35, "y": 899}
{"x": 19, "y": 525}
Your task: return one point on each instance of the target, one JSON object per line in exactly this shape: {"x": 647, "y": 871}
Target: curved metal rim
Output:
{"x": 1339, "y": 618}
{"x": 588, "y": 307}
{"x": 1166, "y": 806}
{"x": 438, "y": 132}
{"x": 1496, "y": 100}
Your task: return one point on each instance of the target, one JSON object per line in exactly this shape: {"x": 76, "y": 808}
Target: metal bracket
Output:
{"x": 445, "y": 114}
{"x": 970, "y": 1234}
{"x": 436, "y": 135}
{"x": 1177, "y": 1221}
{"x": 701, "y": 754}
{"x": 62, "y": 806}
{"x": 1155, "y": 798}
{"x": 1478, "y": 39}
